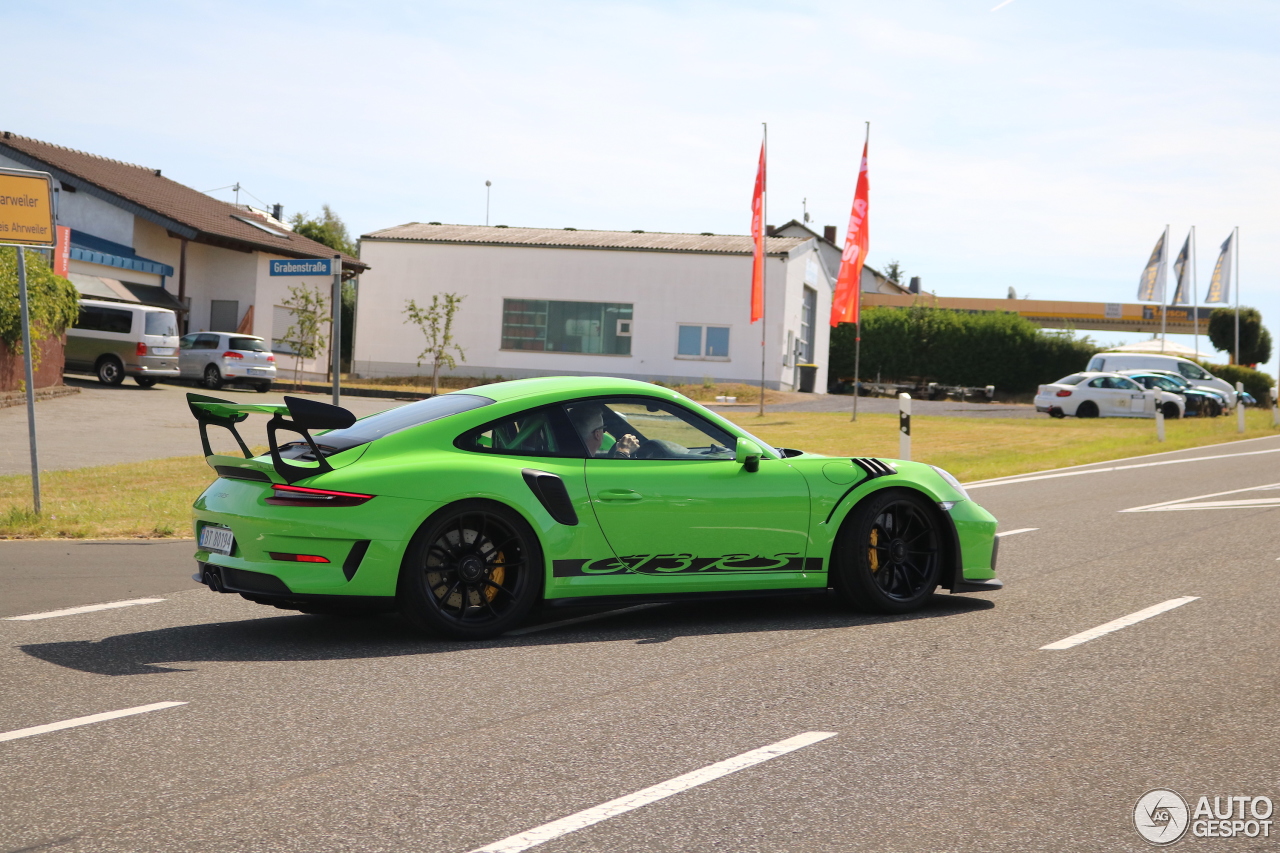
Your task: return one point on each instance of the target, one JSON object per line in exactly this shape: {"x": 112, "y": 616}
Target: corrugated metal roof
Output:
{"x": 558, "y": 238}
{"x": 146, "y": 193}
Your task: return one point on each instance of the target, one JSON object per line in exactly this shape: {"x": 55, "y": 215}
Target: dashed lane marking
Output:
{"x": 1019, "y": 530}
{"x": 84, "y": 721}
{"x": 88, "y": 608}
{"x": 1122, "y": 622}
{"x": 613, "y": 808}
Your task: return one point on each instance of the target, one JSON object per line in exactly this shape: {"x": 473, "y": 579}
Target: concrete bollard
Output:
{"x": 1239, "y": 407}
{"x": 1159, "y": 419}
{"x": 904, "y": 426}
{"x": 1275, "y": 412}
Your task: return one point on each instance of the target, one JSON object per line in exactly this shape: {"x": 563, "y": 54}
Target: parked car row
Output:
{"x": 1136, "y": 386}
{"x": 116, "y": 339}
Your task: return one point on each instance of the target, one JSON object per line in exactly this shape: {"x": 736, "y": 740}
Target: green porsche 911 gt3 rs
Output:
{"x": 466, "y": 510}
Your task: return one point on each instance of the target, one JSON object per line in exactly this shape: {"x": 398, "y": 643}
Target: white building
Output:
{"x": 137, "y": 236}
{"x": 651, "y": 306}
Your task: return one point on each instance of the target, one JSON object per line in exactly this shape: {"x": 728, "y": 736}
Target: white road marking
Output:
{"x": 1071, "y": 472}
{"x": 549, "y": 625}
{"x": 613, "y": 808}
{"x": 1122, "y": 622}
{"x": 1019, "y": 530}
{"x": 1201, "y": 502}
{"x": 84, "y": 721}
{"x": 88, "y": 608}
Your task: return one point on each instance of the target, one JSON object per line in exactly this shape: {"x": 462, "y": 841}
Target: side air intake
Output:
{"x": 875, "y": 467}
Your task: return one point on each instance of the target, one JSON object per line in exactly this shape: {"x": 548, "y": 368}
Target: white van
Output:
{"x": 1195, "y": 374}
{"x": 119, "y": 339}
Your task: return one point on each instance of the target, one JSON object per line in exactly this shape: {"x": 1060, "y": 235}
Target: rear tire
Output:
{"x": 144, "y": 381}
{"x": 1087, "y": 409}
{"x": 889, "y": 552}
{"x": 472, "y": 571}
{"x": 212, "y": 378}
{"x": 110, "y": 371}
{"x": 262, "y": 387}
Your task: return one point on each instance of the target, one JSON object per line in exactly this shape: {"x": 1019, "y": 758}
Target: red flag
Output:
{"x": 757, "y": 235}
{"x": 846, "y": 304}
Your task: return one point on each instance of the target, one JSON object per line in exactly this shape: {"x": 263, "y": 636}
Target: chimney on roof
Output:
{"x": 914, "y": 286}
{"x": 829, "y": 233}
{"x": 157, "y": 173}
{"x": 769, "y": 229}
{"x": 277, "y": 212}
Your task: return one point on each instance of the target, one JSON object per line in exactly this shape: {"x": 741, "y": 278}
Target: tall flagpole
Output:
{"x": 1194, "y": 300}
{"x": 857, "y": 325}
{"x": 1235, "y": 250}
{"x": 764, "y": 263}
{"x": 1164, "y": 308}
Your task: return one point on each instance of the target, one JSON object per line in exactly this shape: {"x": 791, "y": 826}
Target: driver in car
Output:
{"x": 589, "y": 422}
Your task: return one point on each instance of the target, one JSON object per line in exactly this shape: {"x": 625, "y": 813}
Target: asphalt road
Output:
{"x": 952, "y": 728}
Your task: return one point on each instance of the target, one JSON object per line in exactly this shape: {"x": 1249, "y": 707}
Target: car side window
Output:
{"x": 205, "y": 342}
{"x": 1191, "y": 371}
{"x": 639, "y": 428}
{"x": 1124, "y": 384}
{"x": 1099, "y": 382}
{"x": 186, "y": 341}
{"x": 537, "y": 432}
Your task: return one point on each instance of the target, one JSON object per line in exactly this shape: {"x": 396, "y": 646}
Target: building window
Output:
{"x": 224, "y": 315}
{"x": 547, "y": 325}
{"x": 706, "y": 342}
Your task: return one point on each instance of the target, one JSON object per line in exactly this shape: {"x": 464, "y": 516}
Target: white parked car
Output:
{"x": 1105, "y": 395}
{"x": 1189, "y": 370}
{"x": 217, "y": 358}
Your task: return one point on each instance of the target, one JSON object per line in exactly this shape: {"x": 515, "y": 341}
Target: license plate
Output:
{"x": 219, "y": 540}
{"x": 258, "y": 371}
{"x": 162, "y": 350}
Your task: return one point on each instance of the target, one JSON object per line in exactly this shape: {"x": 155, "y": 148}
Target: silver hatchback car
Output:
{"x": 218, "y": 358}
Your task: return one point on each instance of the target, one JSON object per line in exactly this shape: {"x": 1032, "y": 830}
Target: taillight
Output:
{"x": 142, "y": 348}
{"x": 1064, "y": 393}
{"x": 270, "y": 357}
{"x": 297, "y": 558}
{"x": 231, "y": 354}
{"x": 302, "y": 496}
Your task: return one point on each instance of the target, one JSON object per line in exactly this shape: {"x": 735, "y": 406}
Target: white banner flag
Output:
{"x": 1220, "y": 284}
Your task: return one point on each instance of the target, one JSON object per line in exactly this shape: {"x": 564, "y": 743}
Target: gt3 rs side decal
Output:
{"x": 670, "y": 564}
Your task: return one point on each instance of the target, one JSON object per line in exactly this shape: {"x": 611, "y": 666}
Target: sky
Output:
{"x": 1042, "y": 146}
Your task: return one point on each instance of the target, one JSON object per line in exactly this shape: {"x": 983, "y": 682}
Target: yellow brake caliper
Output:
{"x": 498, "y": 575}
{"x": 872, "y": 556}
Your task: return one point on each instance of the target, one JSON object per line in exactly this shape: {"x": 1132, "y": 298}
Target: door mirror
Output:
{"x": 748, "y": 454}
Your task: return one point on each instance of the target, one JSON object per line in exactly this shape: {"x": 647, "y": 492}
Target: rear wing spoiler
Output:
{"x": 303, "y": 416}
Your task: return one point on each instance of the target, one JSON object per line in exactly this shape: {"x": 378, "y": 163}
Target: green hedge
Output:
{"x": 53, "y": 300}
{"x": 957, "y": 348}
{"x": 1255, "y": 382}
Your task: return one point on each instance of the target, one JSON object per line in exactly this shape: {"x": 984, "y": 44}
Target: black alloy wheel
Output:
{"x": 473, "y": 571}
{"x": 212, "y": 377}
{"x": 110, "y": 371}
{"x": 889, "y": 553}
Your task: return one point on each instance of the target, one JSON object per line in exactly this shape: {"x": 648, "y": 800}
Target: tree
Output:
{"x": 1254, "y": 349}
{"x": 308, "y": 307}
{"x": 329, "y": 230}
{"x": 436, "y": 323}
{"x": 893, "y": 272}
{"x": 53, "y": 302}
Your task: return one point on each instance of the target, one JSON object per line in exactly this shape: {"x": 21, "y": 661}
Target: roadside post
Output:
{"x": 27, "y": 220}
{"x": 904, "y": 426}
{"x": 1275, "y": 413}
{"x": 336, "y": 343}
{"x": 1159, "y": 419}
{"x": 1239, "y": 407}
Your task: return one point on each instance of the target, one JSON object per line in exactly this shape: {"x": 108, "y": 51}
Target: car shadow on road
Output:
{"x": 301, "y": 637}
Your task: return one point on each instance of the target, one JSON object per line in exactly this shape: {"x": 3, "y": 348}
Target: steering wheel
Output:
{"x": 648, "y": 449}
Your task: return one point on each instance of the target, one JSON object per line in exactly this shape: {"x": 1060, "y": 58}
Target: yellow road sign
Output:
{"x": 26, "y": 208}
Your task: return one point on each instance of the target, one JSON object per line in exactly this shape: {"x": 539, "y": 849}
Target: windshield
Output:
{"x": 162, "y": 323}
{"x": 248, "y": 345}
{"x": 385, "y": 423}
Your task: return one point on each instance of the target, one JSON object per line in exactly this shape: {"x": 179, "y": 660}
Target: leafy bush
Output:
{"x": 958, "y": 348}
{"x": 1255, "y": 382}
{"x": 54, "y": 302}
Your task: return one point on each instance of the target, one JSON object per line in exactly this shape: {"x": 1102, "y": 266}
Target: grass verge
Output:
{"x": 153, "y": 499}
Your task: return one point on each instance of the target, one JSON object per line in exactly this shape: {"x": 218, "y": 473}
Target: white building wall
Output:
{"x": 666, "y": 288}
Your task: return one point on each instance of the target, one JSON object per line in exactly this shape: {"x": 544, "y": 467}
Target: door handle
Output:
{"x": 618, "y": 495}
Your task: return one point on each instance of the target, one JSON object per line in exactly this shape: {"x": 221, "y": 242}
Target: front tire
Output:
{"x": 889, "y": 552}
{"x": 110, "y": 371}
{"x": 473, "y": 571}
{"x": 212, "y": 377}
{"x": 1170, "y": 411}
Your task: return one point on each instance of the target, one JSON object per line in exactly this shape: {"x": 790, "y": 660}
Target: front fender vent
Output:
{"x": 875, "y": 467}
{"x": 552, "y": 494}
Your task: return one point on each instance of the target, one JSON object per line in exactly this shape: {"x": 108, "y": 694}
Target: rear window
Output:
{"x": 248, "y": 345}
{"x": 162, "y": 323}
{"x": 414, "y": 414}
{"x": 1073, "y": 379}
